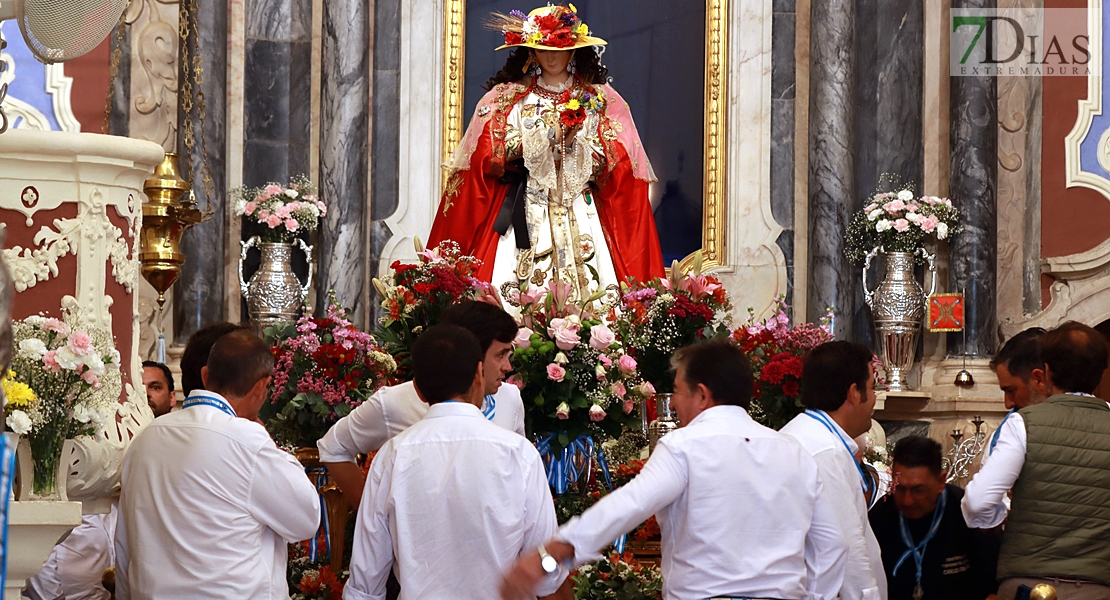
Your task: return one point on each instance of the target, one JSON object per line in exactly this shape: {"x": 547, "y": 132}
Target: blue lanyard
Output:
{"x": 918, "y": 550}
{"x": 490, "y": 408}
{"x": 994, "y": 438}
{"x": 199, "y": 399}
{"x": 824, "y": 419}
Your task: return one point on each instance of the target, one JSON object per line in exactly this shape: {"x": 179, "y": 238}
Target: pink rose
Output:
{"x": 282, "y": 211}
{"x": 250, "y": 208}
{"x": 605, "y": 362}
{"x": 901, "y": 225}
{"x": 596, "y": 413}
{"x": 556, "y": 373}
{"x": 618, "y": 389}
{"x": 629, "y": 404}
{"x": 50, "y": 359}
{"x": 516, "y": 380}
{"x": 894, "y": 206}
{"x": 600, "y": 372}
{"x": 273, "y": 221}
{"x": 627, "y": 363}
{"x": 562, "y": 411}
{"x": 929, "y": 224}
{"x": 291, "y": 224}
{"x": 523, "y": 338}
{"x": 55, "y": 325}
{"x": 601, "y": 337}
{"x": 647, "y": 390}
{"x": 273, "y": 190}
{"x": 870, "y": 207}
{"x": 80, "y": 343}
{"x": 323, "y": 209}
{"x": 564, "y": 332}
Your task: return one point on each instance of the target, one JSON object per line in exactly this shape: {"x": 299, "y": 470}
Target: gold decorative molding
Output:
{"x": 454, "y": 73}
{"x": 714, "y": 204}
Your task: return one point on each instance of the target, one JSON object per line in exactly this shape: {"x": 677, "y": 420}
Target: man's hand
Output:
{"x": 521, "y": 579}
{"x": 349, "y": 479}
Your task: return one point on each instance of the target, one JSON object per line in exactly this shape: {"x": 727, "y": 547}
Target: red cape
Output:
{"x": 473, "y": 198}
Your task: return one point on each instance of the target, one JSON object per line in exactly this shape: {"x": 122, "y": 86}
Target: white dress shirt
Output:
{"x": 864, "y": 577}
{"x": 452, "y": 501}
{"x": 76, "y": 565}
{"x": 208, "y": 503}
{"x": 740, "y": 508}
{"x": 391, "y": 410}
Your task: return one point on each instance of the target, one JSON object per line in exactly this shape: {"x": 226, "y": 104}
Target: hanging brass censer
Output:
{"x": 167, "y": 213}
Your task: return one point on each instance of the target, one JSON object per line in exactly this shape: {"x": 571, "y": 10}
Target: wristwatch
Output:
{"x": 548, "y": 562}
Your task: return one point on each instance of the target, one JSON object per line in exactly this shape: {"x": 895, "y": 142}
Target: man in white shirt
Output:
{"x": 740, "y": 506}
{"x": 454, "y": 499}
{"x": 1020, "y": 372}
{"x": 208, "y": 501}
{"x": 1055, "y": 457}
{"x": 391, "y": 410}
{"x": 838, "y": 390}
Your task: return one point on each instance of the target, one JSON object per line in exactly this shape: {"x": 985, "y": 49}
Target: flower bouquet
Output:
{"x": 324, "y": 369}
{"x": 899, "y": 222}
{"x": 660, "y": 316}
{"x": 310, "y": 580}
{"x": 572, "y": 370}
{"x": 420, "y": 293}
{"x": 776, "y": 351}
{"x": 280, "y": 213}
{"x": 618, "y": 577}
{"x": 64, "y": 382}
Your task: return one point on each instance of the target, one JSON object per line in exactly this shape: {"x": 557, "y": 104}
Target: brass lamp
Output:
{"x": 167, "y": 213}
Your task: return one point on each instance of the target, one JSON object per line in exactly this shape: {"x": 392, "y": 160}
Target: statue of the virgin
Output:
{"x": 550, "y": 180}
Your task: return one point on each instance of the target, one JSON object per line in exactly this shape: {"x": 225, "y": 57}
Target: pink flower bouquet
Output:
{"x": 572, "y": 369}
{"x": 324, "y": 369}
{"x": 898, "y": 221}
{"x": 279, "y": 213}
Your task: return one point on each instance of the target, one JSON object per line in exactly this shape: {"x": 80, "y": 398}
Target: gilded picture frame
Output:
{"x": 715, "y": 129}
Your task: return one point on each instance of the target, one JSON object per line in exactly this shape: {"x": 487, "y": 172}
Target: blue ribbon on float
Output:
{"x": 561, "y": 471}
{"x": 319, "y": 475}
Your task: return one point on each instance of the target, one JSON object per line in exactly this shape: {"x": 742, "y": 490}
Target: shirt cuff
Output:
{"x": 334, "y": 453}
{"x": 566, "y": 534}
{"x": 350, "y": 593}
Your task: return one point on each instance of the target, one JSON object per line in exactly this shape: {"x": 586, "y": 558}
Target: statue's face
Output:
{"x": 554, "y": 62}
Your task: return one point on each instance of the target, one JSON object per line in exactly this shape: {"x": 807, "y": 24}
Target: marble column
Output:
{"x": 198, "y": 297}
{"x": 831, "y": 160}
{"x": 277, "y": 90}
{"x": 385, "y": 138}
{"x": 783, "y": 87}
{"x": 344, "y": 130}
{"x": 119, "y": 116}
{"x": 973, "y": 118}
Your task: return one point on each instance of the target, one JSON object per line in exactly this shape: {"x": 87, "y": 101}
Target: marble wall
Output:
{"x": 344, "y": 133}
{"x": 783, "y": 97}
{"x": 385, "y": 134}
{"x": 199, "y": 292}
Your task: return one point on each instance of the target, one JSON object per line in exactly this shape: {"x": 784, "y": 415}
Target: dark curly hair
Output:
{"x": 587, "y": 66}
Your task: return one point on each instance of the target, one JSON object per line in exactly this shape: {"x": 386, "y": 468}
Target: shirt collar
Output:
{"x": 205, "y": 394}
{"x": 713, "y": 412}
{"x": 454, "y": 409}
{"x": 852, "y": 445}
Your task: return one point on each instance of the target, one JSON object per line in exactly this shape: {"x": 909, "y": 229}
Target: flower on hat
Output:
{"x": 549, "y": 26}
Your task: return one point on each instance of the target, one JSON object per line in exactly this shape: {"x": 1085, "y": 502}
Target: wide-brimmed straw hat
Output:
{"x": 550, "y": 27}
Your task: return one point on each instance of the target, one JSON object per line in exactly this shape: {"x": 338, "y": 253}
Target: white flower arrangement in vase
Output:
{"x": 899, "y": 222}
{"x": 281, "y": 212}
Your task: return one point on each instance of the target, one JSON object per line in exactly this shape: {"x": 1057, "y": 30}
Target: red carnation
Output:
{"x": 513, "y": 38}
{"x": 790, "y": 388}
{"x": 562, "y": 38}
{"x": 570, "y": 118}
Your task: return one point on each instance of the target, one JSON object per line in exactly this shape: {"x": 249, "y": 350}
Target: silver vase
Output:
{"x": 665, "y": 421}
{"x": 898, "y": 308}
{"x": 273, "y": 294}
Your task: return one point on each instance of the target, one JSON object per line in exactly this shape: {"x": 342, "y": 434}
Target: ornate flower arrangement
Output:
{"x": 618, "y": 577}
{"x": 280, "y": 212}
{"x": 64, "y": 382}
{"x": 898, "y": 222}
{"x": 553, "y": 26}
{"x": 571, "y": 367}
{"x": 419, "y": 294}
{"x": 660, "y": 316}
{"x": 575, "y": 103}
{"x": 310, "y": 580}
{"x": 324, "y": 369}
{"x": 776, "y": 349}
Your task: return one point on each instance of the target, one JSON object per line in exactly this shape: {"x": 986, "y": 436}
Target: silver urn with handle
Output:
{"x": 274, "y": 294}
{"x": 666, "y": 420}
{"x": 898, "y": 305}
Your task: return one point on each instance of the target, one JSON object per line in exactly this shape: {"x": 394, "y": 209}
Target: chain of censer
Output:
{"x": 192, "y": 73}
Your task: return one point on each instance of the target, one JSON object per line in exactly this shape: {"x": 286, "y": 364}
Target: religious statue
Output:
{"x": 550, "y": 180}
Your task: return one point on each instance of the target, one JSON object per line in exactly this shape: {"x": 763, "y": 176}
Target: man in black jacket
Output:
{"x": 928, "y": 550}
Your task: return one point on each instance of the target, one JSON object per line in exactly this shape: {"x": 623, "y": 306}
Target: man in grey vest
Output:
{"x": 1056, "y": 458}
